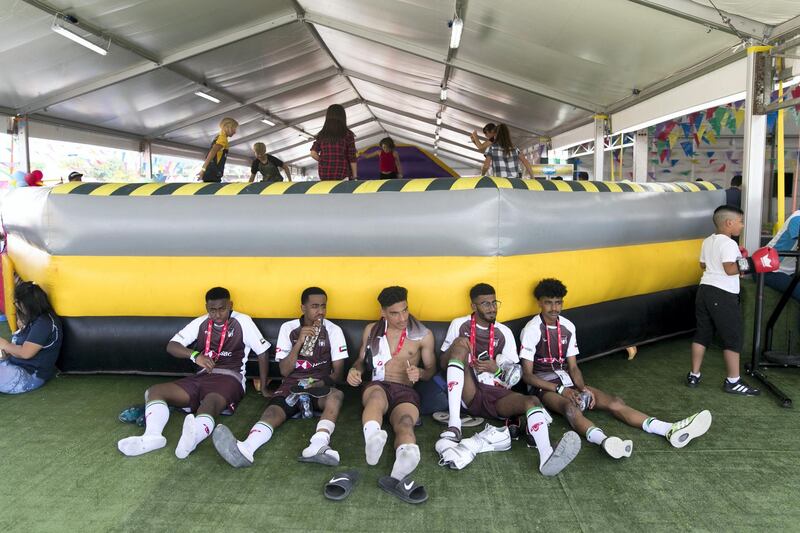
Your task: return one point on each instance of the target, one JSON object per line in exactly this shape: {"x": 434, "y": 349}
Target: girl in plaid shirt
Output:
{"x": 503, "y": 158}
{"x": 335, "y": 147}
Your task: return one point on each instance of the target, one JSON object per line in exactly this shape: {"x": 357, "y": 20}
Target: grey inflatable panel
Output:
{"x": 553, "y": 221}
{"x": 478, "y": 222}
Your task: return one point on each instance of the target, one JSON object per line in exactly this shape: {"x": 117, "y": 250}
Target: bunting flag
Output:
{"x": 739, "y": 118}
{"x": 673, "y": 162}
{"x": 772, "y": 119}
{"x": 721, "y": 169}
{"x": 717, "y": 118}
{"x": 710, "y": 154}
{"x": 673, "y": 137}
{"x": 688, "y": 148}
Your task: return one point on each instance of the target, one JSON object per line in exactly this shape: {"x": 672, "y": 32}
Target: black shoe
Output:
{"x": 530, "y": 442}
{"x": 740, "y": 387}
{"x": 692, "y": 381}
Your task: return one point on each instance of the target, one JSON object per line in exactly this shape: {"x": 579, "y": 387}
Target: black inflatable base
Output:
{"x": 137, "y": 344}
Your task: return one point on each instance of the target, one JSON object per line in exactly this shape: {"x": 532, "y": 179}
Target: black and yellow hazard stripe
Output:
{"x": 372, "y": 186}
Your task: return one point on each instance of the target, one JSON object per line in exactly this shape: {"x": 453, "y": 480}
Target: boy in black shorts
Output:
{"x": 222, "y": 340}
{"x": 311, "y": 352}
{"x": 717, "y": 305}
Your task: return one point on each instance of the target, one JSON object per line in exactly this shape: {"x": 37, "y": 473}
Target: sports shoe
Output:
{"x": 617, "y": 448}
{"x": 692, "y": 381}
{"x": 740, "y": 387}
{"x": 491, "y": 439}
{"x": 132, "y": 414}
{"x": 682, "y": 432}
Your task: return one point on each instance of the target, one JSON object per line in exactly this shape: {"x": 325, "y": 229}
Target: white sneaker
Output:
{"x": 188, "y": 441}
{"x": 617, "y": 448}
{"x": 374, "y": 447}
{"x": 491, "y": 439}
{"x": 683, "y": 431}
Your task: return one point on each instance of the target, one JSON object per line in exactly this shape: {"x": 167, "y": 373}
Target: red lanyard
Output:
{"x": 472, "y": 339}
{"x": 208, "y": 340}
{"x": 549, "y": 348}
{"x": 399, "y": 343}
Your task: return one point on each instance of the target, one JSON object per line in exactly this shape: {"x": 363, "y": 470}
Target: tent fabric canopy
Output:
{"x": 541, "y": 67}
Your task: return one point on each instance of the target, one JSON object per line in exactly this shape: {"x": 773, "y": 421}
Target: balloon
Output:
{"x": 34, "y": 179}
{"x": 18, "y": 179}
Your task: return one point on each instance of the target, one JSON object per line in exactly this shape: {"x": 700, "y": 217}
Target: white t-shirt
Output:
{"x": 534, "y": 346}
{"x": 718, "y": 249}
{"x": 242, "y": 337}
{"x": 331, "y": 345}
{"x": 504, "y": 343}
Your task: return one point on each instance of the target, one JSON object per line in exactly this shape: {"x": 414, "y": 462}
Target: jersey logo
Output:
{"x": 303, "y": 364}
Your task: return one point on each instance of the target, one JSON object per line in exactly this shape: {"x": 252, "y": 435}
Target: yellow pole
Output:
{"x": 8, "y": 291}
{"x": 781, "y": 196}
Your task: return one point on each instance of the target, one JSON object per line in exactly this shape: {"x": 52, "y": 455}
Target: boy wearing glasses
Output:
{"x": 476, "y": 353}
{"x": 549, "y": 366}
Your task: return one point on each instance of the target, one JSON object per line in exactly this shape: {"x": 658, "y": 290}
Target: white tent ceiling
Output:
{"x": 542, "y": 67}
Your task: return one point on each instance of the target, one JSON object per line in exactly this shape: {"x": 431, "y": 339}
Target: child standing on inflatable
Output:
{"x": 269, "y": 165}
{"x": 214, "y": 166}
{"x": 503, "y": 158}
{"x": 388, "y": 160}
{"x": 490, "y": 131}
{"x": 717, "y": 306}
{"x": 334, "y": 149}
{"x": 29, "y": 360}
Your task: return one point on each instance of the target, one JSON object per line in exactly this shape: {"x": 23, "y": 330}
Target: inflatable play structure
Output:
{"x": 126, "y": 265}
{"x": 416, "y": 163}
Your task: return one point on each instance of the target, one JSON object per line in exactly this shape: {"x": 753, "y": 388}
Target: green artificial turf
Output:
{"x": 61, "y": 471}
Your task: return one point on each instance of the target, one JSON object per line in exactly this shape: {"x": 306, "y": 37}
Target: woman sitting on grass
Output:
{"x": 29, "y": 360}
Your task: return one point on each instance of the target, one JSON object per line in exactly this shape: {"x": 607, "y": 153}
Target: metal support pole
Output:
{"x": 599, "y": 146}
{"x": 755, "y": 138}
{"x": 146, "y": 152}
{"x": 641, "y": 153}
{"x": 20, "y": 146}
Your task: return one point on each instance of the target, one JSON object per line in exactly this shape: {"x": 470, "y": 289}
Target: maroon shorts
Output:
{"x": 200, "y": 385}
{"x": 536, "y": 391}
{"x": 484, "y": 403}
{"x": 396, "y": 393}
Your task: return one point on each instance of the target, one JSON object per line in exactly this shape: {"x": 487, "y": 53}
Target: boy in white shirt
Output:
{"x": 717, "y": 306}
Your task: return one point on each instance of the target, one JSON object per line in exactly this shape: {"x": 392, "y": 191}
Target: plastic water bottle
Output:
{"x": 305, "y": 402}
{"x": 291, "y": 400}
{"x": 586, "y": 400}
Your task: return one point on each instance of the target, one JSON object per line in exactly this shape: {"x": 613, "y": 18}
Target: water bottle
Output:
{"x": 586, "y": 399}
{"x": 291, "y": 400}
{"x": 305, "y": 402}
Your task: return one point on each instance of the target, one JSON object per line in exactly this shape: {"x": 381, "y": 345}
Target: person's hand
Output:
{"x": 4, "y": 344}
{"x": 412, "y": 372}
{"x": 572, "y": 395}
{"x": 490, "y": 365}
{"x": 265, "y": 392}
{"x": 354, "y": 377}
{"x": 205, "y": 362}
{"x": 3, "y": 355}
{"x": 305, "y": 331}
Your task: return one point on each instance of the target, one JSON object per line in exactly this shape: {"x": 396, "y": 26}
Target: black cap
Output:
{"x": 74, "y": 176}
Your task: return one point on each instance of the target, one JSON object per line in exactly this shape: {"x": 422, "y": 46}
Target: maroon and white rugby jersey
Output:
{"x": 534, "y": 346}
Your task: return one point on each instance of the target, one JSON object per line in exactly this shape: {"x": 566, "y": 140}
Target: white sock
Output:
{"x": 258, "y": 436}
{"x": 370, "y": 428}
{"x": 406, "y": 460}
{"x": 595, "y": 435}
{"x": 156, "y": 414}
{"x": 537, "y": 427}
{"x": 656, "y": 426}
{"x": 455, "y": 386}
{"x": 204, "y": 425}
{"x": 695, "y": 375}
{"x": 733, "y": 380}
{"x": 319, "y": 439}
